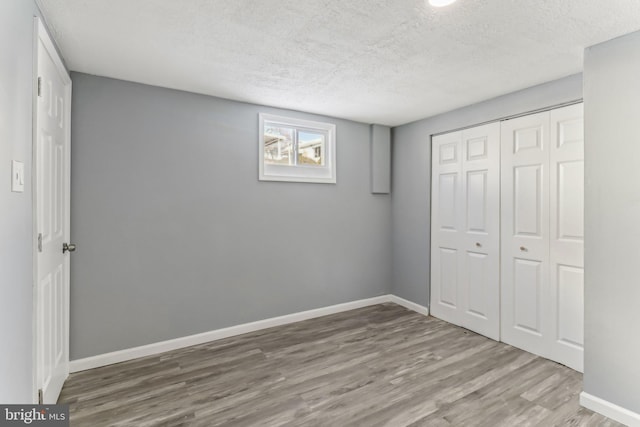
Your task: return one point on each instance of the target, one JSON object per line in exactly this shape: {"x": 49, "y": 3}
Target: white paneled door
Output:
{"x": 465, "y": 273}
{"x": 566, "y": 268}
{"x": 525, "y": 230}
{"x": 51, "y": 172}
{"x": 542, "y": 234}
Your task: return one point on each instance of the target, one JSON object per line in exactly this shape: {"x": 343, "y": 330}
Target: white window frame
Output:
{"x": 325, "y": 174}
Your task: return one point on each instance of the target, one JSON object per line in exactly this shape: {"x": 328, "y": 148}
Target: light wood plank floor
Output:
{"x": 380, "y": 365}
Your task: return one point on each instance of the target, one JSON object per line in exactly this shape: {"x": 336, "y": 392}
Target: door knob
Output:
{"x": 523, "y": 249}
{"x": 478, "y": 245}
{"x": 68, "y": 247}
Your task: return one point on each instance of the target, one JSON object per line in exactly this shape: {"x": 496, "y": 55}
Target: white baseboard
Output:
{"x": 174, "y": 344}
{"x": 610, "y": 410}
{"x": 409, "y": 304}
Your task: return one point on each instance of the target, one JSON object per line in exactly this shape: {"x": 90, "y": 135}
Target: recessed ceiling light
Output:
{"x": 440, "y": 3}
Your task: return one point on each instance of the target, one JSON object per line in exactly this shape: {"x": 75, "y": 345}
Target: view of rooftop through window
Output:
{"x": 292, "y": 146}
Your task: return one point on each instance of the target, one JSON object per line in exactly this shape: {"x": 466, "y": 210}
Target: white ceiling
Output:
{"x": 374, "y": 61}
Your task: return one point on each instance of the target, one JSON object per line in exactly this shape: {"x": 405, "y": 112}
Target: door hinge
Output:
{"x": 39, "y": 86}
{"x": 39, "y": 242}
{"x": 40, "y": 398}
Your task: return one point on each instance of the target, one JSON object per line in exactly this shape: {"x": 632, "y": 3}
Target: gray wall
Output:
{"x": 411, "y": 176}
{"x": 177, "y": 236}
{"x": 16, "y": 263}
{"x": 612, "y": 221}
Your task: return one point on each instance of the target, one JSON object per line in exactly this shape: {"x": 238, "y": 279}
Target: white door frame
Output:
{"x": 41, "y": 34}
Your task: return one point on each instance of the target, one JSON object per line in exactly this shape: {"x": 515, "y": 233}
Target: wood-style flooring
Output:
{"x": 377, "y": 366}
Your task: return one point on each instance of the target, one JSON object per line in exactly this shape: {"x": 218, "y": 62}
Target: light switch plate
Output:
{"x": 17, "y": 176}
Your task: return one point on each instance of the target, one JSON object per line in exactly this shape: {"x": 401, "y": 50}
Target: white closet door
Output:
{"x": 525, "y": 233}
{"x": 465, "y": 222}
{"x": 567, "y": 235}
{"x": 542, "y": 234}
{"x": 446, "y": 229}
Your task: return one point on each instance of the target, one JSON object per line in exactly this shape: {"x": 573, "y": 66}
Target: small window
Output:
{"x": 297, "y": 150}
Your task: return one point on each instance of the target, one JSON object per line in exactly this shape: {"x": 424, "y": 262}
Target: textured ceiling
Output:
{"x": 374, "y": 61}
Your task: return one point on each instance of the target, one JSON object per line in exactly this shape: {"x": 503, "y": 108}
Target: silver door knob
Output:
{"x": 68, "y": 247}
{"x": 523, "y": 249}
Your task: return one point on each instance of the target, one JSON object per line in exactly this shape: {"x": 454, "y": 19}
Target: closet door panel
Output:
{"x": 448, "y": 189}
{"x": 569, "y": 284}
{"x": 446, "y": 226}
{"x": 527, "y": 200}
{"x": 527, "y": 286}
{"x": 525, "y": 232}
{"x": 543, "y": 234}
{"x": 477, "y": 195}
{"x": 465, "y": 229}
{"x": 478, "y": 285}
{"x": 567, "y": 235}
{"x": 447, "y": 281}
{"x": 480, "y": 289}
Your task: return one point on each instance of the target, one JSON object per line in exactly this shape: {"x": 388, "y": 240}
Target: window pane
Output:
{"x": 311, "y": 148}
{"x": 296, "y": 150}
{"x": 278, "y": 145}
